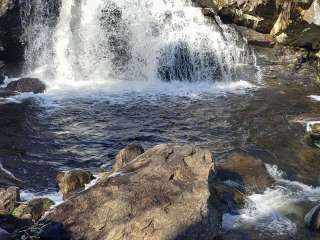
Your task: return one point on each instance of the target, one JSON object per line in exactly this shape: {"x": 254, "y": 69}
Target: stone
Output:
{"x": 312, "y": 219}
{"x": 246, "y": 172}
{"x": 126, "y": 155}
{"x": 161, "y": 194}
{"x": 70, "y": 182}
{"x": 27, "y": 85}
{"x": 33, "y": 209}
{"x": 8, "y": 199}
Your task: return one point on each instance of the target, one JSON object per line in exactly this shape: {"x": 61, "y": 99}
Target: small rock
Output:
{"x": 27, "y": 85}
{"x": 248, "y": 171}
{"x": 312, "y": 219}
{"x": 4, "y": 235}
{"x": 126, "y": 155}
{"x": 33, "y": 209}
{"x": 72, "y": 181}
{"x": 8, "y": 199}
{"x": 314, "y": 131}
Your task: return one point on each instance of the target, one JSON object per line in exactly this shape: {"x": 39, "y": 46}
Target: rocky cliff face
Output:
{"x": 291, "y": 22}
{"x": 11, "y": 48}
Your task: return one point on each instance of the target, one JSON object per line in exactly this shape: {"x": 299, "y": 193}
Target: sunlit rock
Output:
{"x": 72, "y": 181}
{"x": 126, "y": 155}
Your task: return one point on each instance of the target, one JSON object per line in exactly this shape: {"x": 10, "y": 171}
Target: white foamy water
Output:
{"x": 108, "y": 44}
{"x": 267, "y": 212}
{"x": 55, "y": 196}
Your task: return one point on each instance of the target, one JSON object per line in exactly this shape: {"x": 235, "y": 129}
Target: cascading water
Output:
{"x": 100, "y": 41}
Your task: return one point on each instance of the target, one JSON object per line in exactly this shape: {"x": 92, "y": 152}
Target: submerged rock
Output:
{"x": 161, "y": 194}
{"x": 33, "y": 209}
{"x": 27, "y": 85}
{"x": 72, "y": 181}
{"x": 126, "y": 155}
{"x": 8, "y": 199}
{"x": 246, "y": 172}
{"x": 312, "y": 219}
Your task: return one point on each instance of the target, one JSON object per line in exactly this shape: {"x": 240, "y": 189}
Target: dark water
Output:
{"x": 42, "y": 135}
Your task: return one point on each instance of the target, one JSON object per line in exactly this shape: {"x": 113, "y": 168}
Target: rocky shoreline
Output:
{"x": 171, "y": 191}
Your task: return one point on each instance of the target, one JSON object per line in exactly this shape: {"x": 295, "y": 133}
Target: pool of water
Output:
{"x": 41, "y": 135}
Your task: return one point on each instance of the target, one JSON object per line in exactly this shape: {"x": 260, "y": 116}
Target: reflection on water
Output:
{"x": 42, "y": 135}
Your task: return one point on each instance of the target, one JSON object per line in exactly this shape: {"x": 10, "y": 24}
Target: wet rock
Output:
{"x": 73, "y": 181}
{"x": 247, "y": 173}
{"x": 161, "y": 194}
{"x": 4, "y": 235}
{"x": 231, "y": 198}
{"x": 312, "y": 219}
{"x": 27, "y": 85}
{"x": 126, "y": 155}
{"x": 33, "y": 209}
{"x": 8, "y": 199}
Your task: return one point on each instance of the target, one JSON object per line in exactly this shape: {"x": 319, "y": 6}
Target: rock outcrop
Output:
{"x": 70, "y": 182}
{"x": 161, "y": 194}
{"x": 27, "y": 85}
{"x": 11, "y": 48}
{"x": 126, "y": 155}
{"x": 295, "y": 23}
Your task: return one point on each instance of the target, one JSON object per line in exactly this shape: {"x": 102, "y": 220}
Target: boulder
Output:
{"x": 8, "y": 199}
{"x": 4, "y": 235}
{"x": 27, "y": 85}
{"x": 126, "y": 155}
{"x": 161, "y": 194}
{"x": 244, "y": 172}
{"x": 312, "y": 219}
{"x": 33, "y": 209}
{"x": 73, "y": 181}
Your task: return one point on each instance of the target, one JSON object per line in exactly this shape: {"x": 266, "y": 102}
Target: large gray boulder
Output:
{"x": 161, "y": 194}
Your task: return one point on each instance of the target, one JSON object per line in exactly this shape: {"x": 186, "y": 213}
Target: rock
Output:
{"x": 8, "y": 199}
{"x": 161, "y": 194}
{"x": 4, "y": 235}
{"x": 126, "y": 155}
{"x": 314, "y": 131}
{"x": 27, "y": 85}
{"x": 255, "y": 38}
{"x": 33, "y": 209}
{"x": 246, "y": 172}
{"x": 312, "y": 219}
{"x": 73, "y": 181}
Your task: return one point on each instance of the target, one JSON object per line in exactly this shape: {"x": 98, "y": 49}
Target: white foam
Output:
{"x": 55, "y": 196}
{"x": 315, "y": 97}
{"x": 266, "y": 212}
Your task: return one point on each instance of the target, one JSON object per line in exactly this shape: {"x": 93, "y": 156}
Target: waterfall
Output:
{"x": 99, "y": 41}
